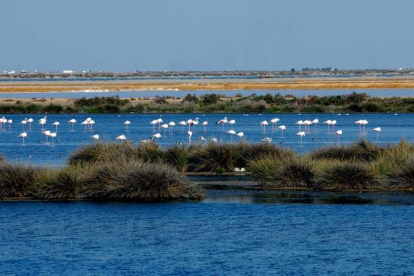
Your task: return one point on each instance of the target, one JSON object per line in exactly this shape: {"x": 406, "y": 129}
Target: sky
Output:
{"x": 180, "y": 35}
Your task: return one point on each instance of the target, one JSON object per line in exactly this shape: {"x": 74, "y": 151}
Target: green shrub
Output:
{"x": 17, "y": 180}
{"x": 403, "y": 177}
{"x": 348, "y": 176}
{"x": 359, "y": 151}
{"x": 67, "y": 183}
{"x": 250, "y": 152}
{"x": 177, "y": 157}
{"x": 137, "y": 181}
{"x": 393, "y": 157}
{"x": 207, "y": 158}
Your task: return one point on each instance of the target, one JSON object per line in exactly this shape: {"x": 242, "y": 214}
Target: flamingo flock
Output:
{"x": 165, "y": 130}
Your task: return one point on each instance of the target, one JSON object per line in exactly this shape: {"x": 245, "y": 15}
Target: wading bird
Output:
{"x": 263, "y": 125}
{"x": 267, "y": 140}
{"x": 121, "y": 137}
{"x": 282, "y": 127}
{"x": 190, "y": 133}
{"x": 222, "y": 121}
{"x": 301, "y": 134}
{"x": 23, "y": 135}
{"x": 377, "y": 130}
{"x": 95, "y": 137}
{"x": 127, "y": 123}
{"x": 72, "y": 122}
{"x": 231, "y": 132}
{"x": 56, "y": 124}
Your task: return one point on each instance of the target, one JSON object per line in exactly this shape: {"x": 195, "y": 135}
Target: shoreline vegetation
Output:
{"x": 148, "y": 173}
{"x": 213, "y": 103}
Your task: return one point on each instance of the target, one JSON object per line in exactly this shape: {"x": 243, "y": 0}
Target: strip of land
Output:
{"x": 207, "y": 85}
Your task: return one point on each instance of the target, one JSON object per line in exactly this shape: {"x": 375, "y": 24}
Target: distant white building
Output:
{"x": 68, "y": 72}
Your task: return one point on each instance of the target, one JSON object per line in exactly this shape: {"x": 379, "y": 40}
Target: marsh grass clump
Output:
{"x": 363, "y": 151}
{"x": 289, "y": 172}
{"x": 403, "y": 177}
{"x": 149, "y": 152}
{"x": 207, "y": 158}
{"x": 348, "y": 176}
{"x": 101, "y": 151}
{"x": 393, "y": 158}
{"x": 66, "y": 183}
{"x": 177, "y": 157}
{"x": 264, "y": 168}
{"x": 138, "y": 181}
{"x": 249, "y": 152}
{"x": 17, "y": 180}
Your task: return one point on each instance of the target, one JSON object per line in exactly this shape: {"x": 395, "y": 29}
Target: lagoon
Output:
{"x": 221, "y": 235}
{"x": 36, "y": 151}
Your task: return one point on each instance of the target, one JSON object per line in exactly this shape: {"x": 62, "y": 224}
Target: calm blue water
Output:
{"x": 37, "y": 151}
{"x": 230, "y": 93}
{"x": 210, "y": 238}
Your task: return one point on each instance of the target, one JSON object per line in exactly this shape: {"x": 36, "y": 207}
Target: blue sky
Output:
{"x": 127, "y": 35}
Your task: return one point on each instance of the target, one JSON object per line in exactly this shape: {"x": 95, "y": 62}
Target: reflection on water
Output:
{"x": 308, "y": 197}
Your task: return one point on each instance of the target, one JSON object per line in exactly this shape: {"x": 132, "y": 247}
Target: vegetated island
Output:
{"x": 148, "y": 173}
{"x": 213, "y": 103}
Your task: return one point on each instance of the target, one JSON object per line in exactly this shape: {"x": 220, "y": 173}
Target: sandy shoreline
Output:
{"x": 206, "y": 85}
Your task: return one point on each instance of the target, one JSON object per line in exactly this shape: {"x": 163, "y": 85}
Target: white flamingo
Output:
{"x": 156, "y": 136}
{"x": 165, "y": 126}
{"x": 301, "y": 134}
{"x": 24, "y": 122}
{"x": 30, "y": 121}
{"x": 153, "y": 123}
{"x": 231, "y": 132}
{"x": 222, "y": 121}
{"x": 274, "y": 122}
{"x": 231, "y": 123}
{"x": 190, "y": 133}
{"x": 95, "y": 137}
{"x": 240, "y": 134}
{"x": 263, "y": 125}
{"x": 171, "y": 125}
{"x": 315, "y": 122}
{"x": 127, "y": 123}
{"x": 328, "y": 123}
{"x": 47, "y": 134}
{"x": 23, "y": 135}
{"x": 299, "y": 123}
{"x": 182, "y": 124}
{"x": 377, "y": 130}
{"x": 56, "y": 124}
{"x": 121, "y": 137}
{"x": 53, "y": 135}
{"x": 72, "y": 122}
{"x": 205, "y": 123}
{"x": 10, "y": 121}
{"x": 159, "y": 121}
{"x": 282, "y": 127}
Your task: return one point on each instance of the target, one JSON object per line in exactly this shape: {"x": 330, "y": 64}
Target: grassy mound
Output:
{"x": 177, "y": 157}
{"x": 67, "y": 183}
{"x": 348, "y": 176}
{"x": 288, "y": 173}
{"x": 213, "y": 157}
{"x": 144, "y": 182}
{"x": 403, "y": 177}
{"x": 17, "y": 180}
{"x": 363, "y": 151}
